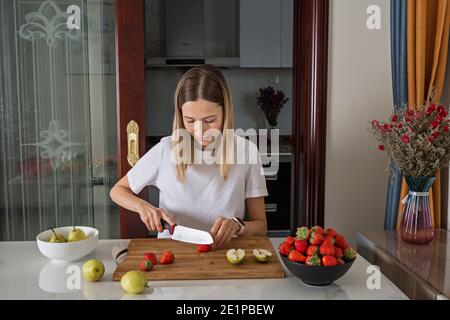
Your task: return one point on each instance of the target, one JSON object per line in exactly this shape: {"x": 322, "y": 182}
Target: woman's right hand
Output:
{"x": 151, "y": 216}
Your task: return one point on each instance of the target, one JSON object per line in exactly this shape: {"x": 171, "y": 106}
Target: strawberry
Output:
{"x": 329, "y": 261}
{"x": 301, "y": 245}
{"x": 330, "y": 232}
{"x": 296, "y": 256}
{"x": 146, "y": 265}
{"x": 285, "y": 249}
{"x": 290, "y": 241}
{"x": 341, "y": 242}
{"x": 326, "y": 249}
{"x": 330, "y": 239}
{"x": 313, "y": 261}
{"x": 316, "y": 239}
{"x": 167, "y": 257}
{"x": 338, "y": 253}
{"x": 312, "y": 250}
{"x": 317, "y": 229}
{"x": 151, "y": 256}
{"x": 303, "y": 233}
{"x": 340, "y": 261}
{"x": 349, "y": 254}
{"x": 204, "y": 248}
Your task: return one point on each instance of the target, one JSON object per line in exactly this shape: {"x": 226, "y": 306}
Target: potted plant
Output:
{"x": 271, "y": 102}
{"x": 419, "y": 143}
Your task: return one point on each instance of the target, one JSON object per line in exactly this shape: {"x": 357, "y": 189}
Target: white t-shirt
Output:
{"x": 204, "y": 195}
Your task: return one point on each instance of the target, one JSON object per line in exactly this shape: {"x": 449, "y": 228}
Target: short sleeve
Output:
{"x": 255, "y": 184}
{"x": 145, "y": 171}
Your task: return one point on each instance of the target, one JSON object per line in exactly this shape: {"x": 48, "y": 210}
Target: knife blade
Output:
{"x": 189, "y": 235}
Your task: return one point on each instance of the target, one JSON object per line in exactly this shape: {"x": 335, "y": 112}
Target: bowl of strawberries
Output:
{"x": 316, "y": 256}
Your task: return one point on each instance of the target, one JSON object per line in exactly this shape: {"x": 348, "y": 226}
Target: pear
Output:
{"x": 134, "y": 282}
{"x": 57, "y": 238}
{"x": 93, "y": 270}
{"x": 76, "y": 235}
{"x": 262, "y": 255}
{"x": 235, "y": 256}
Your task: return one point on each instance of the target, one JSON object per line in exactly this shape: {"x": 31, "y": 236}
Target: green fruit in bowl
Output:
{"x": 133, "y": 282}
{"x": 93, "y": 270}
{"x": 262, "y": 255}
{"x": 57, "y": 238}
{"x": 235, "y": 256}
{"x": 76, "y": 235}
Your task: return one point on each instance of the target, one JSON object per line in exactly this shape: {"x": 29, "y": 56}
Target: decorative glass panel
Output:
{"x": 58, "y": 139}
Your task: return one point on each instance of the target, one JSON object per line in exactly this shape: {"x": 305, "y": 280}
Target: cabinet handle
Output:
{"x": 271, "y": 207}
{"x": 273, "y": 177}
{"x": 133, "y": 142}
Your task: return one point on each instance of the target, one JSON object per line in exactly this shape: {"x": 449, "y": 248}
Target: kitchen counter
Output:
{"x": 421, "y": 271}
{"x": 26, "y": 274}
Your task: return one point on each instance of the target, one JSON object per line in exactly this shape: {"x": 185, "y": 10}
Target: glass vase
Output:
{"x": 417, "y": 224}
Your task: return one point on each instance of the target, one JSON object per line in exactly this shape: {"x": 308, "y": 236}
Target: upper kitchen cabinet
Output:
{"x": 190, "y": 32}
{"x": 266, "y": 33}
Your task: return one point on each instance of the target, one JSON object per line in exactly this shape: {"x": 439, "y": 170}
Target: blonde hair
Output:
{"x": 208, "y": 83}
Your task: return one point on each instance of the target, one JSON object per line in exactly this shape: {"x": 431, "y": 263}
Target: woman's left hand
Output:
{"x": 223, "y": 231}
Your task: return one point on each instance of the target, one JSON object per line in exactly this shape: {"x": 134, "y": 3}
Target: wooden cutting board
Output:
{"x": 192, "y": 265}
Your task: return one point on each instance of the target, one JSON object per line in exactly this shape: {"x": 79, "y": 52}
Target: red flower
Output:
{"x": 406, "y": 139}
{"x": 394, "y": 118}
{"x": 440, "y": 118}
{"x": 375, "y": 123}
{"x": 434, "y": 124}
{"x": 435, "y": 134}
{"x": 442, "y": 111}
{"x": 431, "y": 108}
{"x": 385, "y": 128}
{"x": 446, "y": 128}
{"x": 400, "y": 126}
{"x": 381, "y": 148}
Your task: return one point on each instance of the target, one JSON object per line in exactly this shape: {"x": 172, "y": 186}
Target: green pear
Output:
{"x": 57, "y": 238}
{"x": 262, "y": 255}
{"x": 93, "y": 270}
{"x": 133, "y": 282}
{"x": 76, "y": 235}
{"x": 235, "y": 256}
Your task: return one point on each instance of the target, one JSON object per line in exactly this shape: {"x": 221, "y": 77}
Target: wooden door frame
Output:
{"x": 130, "y": 90}
{"x": 310, "y": 66}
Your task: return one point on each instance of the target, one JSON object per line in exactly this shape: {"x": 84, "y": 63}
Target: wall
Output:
{"x": 244, "y": 85}
{"x": 359, "y": 87}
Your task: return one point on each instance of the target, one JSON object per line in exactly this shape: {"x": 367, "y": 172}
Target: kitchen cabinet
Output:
{"x": 266, "y": 33}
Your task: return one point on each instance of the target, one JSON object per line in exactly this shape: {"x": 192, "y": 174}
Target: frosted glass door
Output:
{"x": 58, "y": 138}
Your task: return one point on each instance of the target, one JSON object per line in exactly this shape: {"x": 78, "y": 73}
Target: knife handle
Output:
{"x": 168, "y": 226}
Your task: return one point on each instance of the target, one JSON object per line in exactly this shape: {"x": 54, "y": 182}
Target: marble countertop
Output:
{"x": 26, "y": 274}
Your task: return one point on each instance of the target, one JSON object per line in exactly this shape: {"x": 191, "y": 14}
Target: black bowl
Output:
{"x": 316, "y": 275}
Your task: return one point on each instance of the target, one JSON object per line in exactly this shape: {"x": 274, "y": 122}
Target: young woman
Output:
{"x": 209, "y": 196}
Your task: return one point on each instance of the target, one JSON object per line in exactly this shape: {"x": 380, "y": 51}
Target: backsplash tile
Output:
{"x": 244, "y": 85}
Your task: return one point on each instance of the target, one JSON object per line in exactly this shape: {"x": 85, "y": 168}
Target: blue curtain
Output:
{"x": 400, "y": 93}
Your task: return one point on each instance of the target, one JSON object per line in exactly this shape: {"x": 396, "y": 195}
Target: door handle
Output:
{"x": 133, "y": 142}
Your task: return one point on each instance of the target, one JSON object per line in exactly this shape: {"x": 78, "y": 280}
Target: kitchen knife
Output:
{"x": 186, "y": 234}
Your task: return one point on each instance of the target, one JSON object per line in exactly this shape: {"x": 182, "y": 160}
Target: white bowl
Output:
{"x": 67, "y": 251}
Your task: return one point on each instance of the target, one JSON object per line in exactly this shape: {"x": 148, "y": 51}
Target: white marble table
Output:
{"x": 26, "y": 274}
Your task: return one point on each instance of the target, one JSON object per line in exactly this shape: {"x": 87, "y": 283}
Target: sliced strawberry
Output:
{"x": 167, "y": 257}
{"x": 204, "y": 248}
